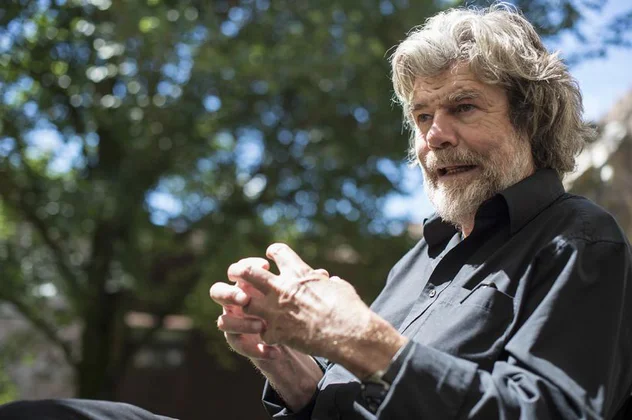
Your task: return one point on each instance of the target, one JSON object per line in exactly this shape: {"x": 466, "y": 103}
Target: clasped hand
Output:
{"x": 302, "y": 308}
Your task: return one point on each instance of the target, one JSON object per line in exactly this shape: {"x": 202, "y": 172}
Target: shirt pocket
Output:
{"x": 485, "y": 296}
{"x": 472, "y": 324}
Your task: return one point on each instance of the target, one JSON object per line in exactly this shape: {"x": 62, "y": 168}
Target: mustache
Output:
{"x": 452, "y": 157}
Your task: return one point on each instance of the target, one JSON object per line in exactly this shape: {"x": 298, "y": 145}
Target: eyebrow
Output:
{"x": 452, "y": 98}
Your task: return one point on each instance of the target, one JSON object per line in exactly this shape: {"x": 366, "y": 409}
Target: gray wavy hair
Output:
{"x": 501, "y": 48}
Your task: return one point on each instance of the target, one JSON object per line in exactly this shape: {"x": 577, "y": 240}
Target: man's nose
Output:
{"x": 441, "y": 133}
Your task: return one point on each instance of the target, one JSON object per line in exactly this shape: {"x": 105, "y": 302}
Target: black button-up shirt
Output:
{"x": 530, "y": 316}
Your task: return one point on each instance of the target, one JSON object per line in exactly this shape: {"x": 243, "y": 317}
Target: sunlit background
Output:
{"x": 146, "y": 145}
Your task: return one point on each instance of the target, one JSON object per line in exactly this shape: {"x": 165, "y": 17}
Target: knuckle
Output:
{"x": 290, "y": 291}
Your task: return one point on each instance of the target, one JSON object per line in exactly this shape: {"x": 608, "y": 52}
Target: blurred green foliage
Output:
{"x": 146, "y": 145}
{"x": 8, "y": 391}
{"x": 17, "y": 350}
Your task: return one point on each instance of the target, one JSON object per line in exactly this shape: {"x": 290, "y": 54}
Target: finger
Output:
{"x": 234, "y": 310}
{"x": 342, "y": 283}
{"x": 256, "y": 308}
{"x": 287, "y": 260}
{"x": 226, "y": 294}
{"x": 246, "y": 262}
{"x": 336, "y": 279}
{"x": 267, "y": 351}
{"x": 314, "y": 275}
{"x": 261, "y": 279}
{"x": 234, "y": 325}
{"x": 260, "y": 350}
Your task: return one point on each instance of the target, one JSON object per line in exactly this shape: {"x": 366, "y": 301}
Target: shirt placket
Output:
{"x": 431, "y": 291}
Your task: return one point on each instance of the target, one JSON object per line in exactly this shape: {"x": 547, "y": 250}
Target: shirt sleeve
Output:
{"x": 276, "y": 407}
{"x": 568, "y": 358}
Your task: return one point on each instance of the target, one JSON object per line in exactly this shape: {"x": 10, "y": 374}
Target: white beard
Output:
{"x": 457, "y": 200}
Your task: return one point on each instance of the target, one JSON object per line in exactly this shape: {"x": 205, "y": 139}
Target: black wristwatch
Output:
{"x": 375, "y": 387}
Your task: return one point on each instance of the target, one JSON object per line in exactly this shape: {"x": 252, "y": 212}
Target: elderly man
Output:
{"x": 517, "y": 303}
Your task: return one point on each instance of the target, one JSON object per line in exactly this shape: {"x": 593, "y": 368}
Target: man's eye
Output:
{"x": 464, "y": 108}
{"x": 422, "y": 118}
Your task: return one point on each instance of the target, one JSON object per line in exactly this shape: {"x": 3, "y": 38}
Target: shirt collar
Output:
{"x": 529, "y": 197}
{"x": 524, "y": 200}
{"x": 436, "y": 230}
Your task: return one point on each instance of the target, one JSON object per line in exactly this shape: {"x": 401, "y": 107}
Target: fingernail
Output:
{"x": 241, "y": 298}
{"x": 257, "y": 325}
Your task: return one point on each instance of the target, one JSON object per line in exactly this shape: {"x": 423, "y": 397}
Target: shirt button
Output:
{"x": 432, "y": 293}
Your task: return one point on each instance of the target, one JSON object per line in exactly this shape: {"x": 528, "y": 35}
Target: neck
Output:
{"x": 466, "y": 228}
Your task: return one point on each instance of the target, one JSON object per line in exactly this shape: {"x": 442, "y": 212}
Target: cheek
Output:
{"x": 485, "y": 139}
{"x": 494, "y": 133}
{"x": 420, "y": 145}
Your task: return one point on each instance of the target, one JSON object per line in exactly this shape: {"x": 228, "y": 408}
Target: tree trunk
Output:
{"x": 95, "y": 371}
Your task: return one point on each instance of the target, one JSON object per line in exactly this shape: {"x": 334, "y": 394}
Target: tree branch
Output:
{"x": 33, "y": 315}
{"x": 6, "y": 187}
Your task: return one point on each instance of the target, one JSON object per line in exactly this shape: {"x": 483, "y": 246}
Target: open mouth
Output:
{"x": 455, "y": 170}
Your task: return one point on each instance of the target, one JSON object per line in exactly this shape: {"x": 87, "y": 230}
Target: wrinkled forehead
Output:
{"x": 452, "y": 85}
